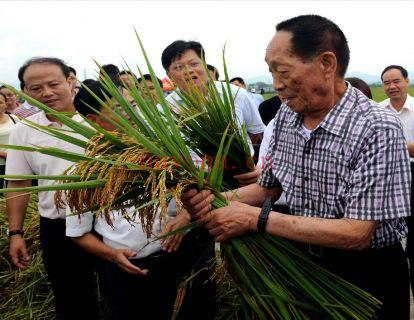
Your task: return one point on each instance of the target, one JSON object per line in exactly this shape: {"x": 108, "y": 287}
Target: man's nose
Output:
{"x": 278, "y": 85}
{"x": 47, "y": 91}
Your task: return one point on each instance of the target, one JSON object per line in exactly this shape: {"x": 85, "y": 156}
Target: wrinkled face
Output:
{"x": 301, "y": 85}
{"x": 11, "y": 98}
{"x": 46, "y": 83}
{"x": 2, "y": 104}
{"x": 188, "y": 70}
{"x": 395, "y": 85}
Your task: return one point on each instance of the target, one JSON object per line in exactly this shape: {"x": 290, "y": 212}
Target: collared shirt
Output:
{"x": 245, "y": 109}
{"x": 123, "y": 234}
{"x": 5, "y": 129}
{"x": 256, "y": 97}
{"x": 406, "y": 115}
{"x": 25, "y": 110}
{"x": 24, "y": 162}
{"x": 355, "y": 165}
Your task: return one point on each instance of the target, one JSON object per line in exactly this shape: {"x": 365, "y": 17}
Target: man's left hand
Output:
{"x": 173, "y": 242}
{"x": 231, "y": 221}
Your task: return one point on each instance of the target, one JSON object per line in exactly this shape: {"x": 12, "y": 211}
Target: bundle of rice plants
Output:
{"x": 147, "y": 161}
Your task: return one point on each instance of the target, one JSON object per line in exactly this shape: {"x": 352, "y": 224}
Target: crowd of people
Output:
{"x": 335, "y": 164}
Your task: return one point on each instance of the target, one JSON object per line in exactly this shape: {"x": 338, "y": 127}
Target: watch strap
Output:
{"x": 11, "y": 233}
{"x": 264, "y": 215}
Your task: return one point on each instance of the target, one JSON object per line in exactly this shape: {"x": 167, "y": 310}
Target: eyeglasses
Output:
{"x": 179, "y": 67}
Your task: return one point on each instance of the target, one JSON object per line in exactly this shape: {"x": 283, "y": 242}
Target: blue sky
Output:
{"x": 378, "y": 31}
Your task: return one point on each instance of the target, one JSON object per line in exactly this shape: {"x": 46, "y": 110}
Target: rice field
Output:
{"x": 377, "y": 93}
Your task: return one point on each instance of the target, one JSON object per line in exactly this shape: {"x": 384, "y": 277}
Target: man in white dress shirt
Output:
{"x": 395, "y": 81}
{"x": 70, "y": 268}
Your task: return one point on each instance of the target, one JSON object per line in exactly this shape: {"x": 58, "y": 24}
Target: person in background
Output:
{"x": 258, "y": 98}
{"x": 269, "y": 108}
{"x": 151, "y": 87}
{"x": 70, "y": 269}
{"x": 26, "y": 109}
{"x": 12, "y": 102}
{"x": 73, "y": 80}
{"x": 7, "y": 121}
{"x": 395, "y": 82}
{"x": 361, "y": 85}
{"x": 143, "y": 272}
{"x": 112, "y": 71}
{"x": 128, "y": 78}
{"x": 215, "y": 75}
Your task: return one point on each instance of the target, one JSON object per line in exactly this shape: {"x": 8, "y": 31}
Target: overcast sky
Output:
{"x": 378, "y": 32}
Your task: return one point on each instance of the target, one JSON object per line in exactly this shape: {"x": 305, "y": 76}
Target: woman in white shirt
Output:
{"x": 7, "y": 121}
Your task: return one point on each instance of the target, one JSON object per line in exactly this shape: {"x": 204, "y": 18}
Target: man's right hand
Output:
{"x": 197, "y": 203}
{"x": 18, "y": 252}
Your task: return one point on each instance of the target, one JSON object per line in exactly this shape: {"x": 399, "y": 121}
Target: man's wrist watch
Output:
{"x": 11, "y": 233}
{"x": 264, "y": 215}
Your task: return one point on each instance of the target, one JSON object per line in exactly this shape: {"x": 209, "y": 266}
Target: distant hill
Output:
{"x": 368, "y": 78}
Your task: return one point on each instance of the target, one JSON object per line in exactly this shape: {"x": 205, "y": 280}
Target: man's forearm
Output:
{"x": 253, "y": 194}
{"x": 16, "y": 204}
{"x": 337, "y": 233}
{"x": 92, "y": 244}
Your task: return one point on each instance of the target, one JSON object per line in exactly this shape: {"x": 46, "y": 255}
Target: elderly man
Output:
{"x": 70, "y": 268}
{"x": 341, "y": 161}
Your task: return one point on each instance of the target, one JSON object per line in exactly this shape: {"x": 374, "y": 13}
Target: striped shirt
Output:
{"x": 354, "y": 165}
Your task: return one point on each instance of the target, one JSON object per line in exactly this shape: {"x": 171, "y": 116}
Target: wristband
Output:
{"x": 264, "y": 215}
{"x": 11, "y": 233}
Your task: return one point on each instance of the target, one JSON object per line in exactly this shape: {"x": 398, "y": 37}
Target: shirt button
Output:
{"x": 307, "y": 205}
{"x": 307, "y": 151}
{"x": 306, "y": 178}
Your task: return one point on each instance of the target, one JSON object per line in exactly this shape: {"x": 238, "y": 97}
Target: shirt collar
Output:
{"x": 408, "y": 104}
{"x": 334, "y": 120}
{"x": 44, "y": 121}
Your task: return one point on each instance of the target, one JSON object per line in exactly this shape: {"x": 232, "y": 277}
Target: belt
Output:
{"x": 150, "y": 260}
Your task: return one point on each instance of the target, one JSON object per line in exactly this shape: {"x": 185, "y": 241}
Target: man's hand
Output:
{"x": 249, "y": 177}
{"x": 197, "y": 203}
{"x": 231, "y": 221}
{"x": 120, "y": 257}
{"x": 18, "y": 252}
{"x": 173, "y": 242}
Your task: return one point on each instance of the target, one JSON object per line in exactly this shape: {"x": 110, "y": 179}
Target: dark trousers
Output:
{"x": 71, "y": 272}
{"x": 381, "y": 272}
{"x": 410, "y": 237}
{"x": 153, "y": 296}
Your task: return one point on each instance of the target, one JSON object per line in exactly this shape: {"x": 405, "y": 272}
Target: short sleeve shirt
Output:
{"x": 355, "y": 165}
{"x": 406, "y": 115}
{"x": 24, "y": 162}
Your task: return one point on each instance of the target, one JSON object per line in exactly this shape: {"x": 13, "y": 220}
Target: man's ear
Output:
{"x": 171, "y": 79}
{"x": 328, "y": 63}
